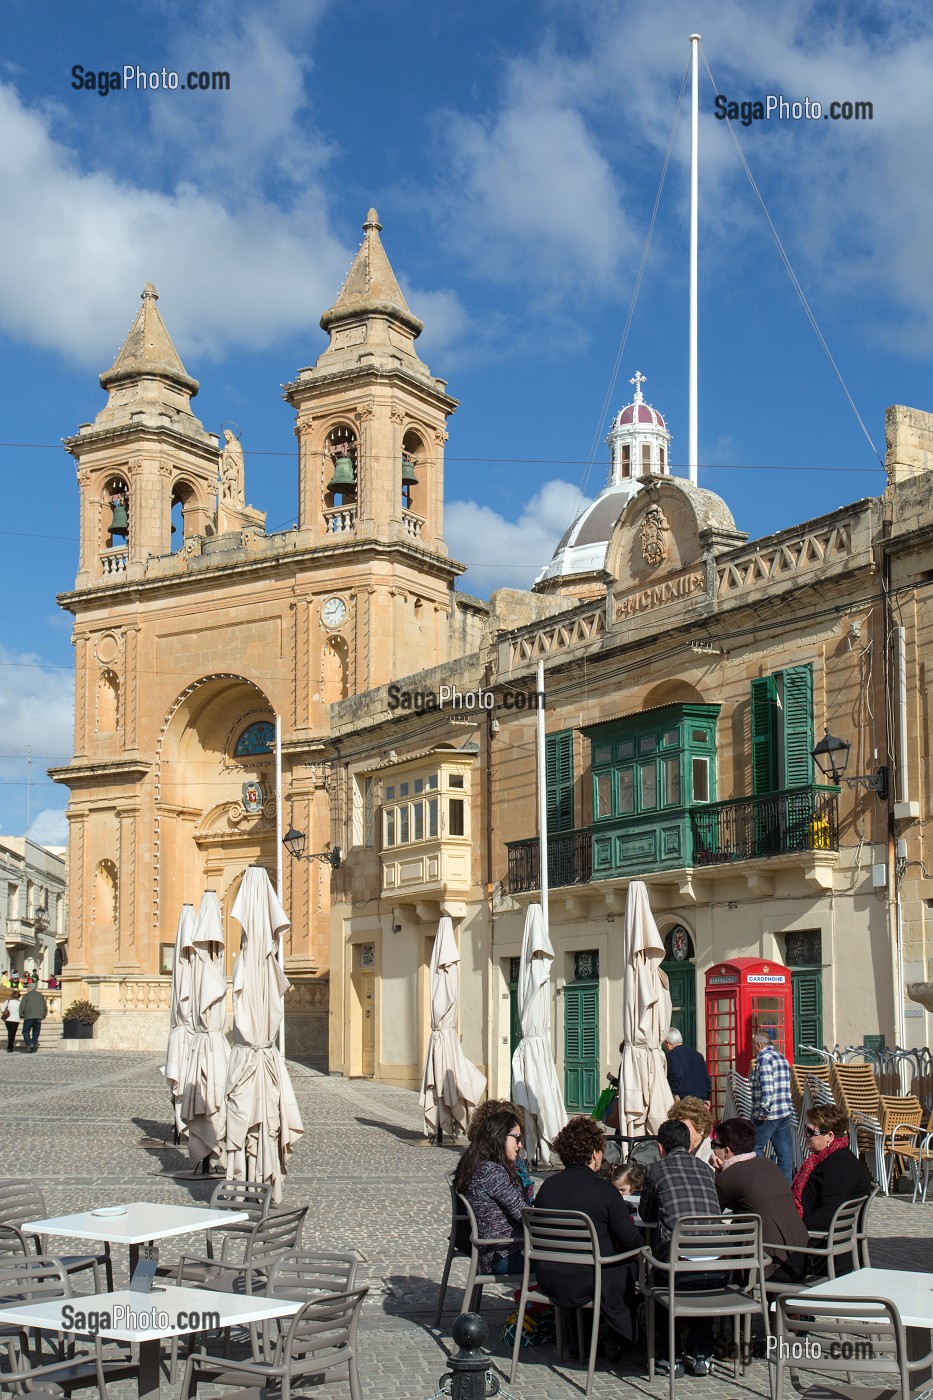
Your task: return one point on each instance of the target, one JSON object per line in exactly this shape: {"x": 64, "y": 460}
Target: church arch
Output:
{"x": 414, "y": 467}
{"x": 185, "y": 509}
{"x": 194, "y": 772}
{"x": 115, "y": 513}
{"x": 341, "y": 466}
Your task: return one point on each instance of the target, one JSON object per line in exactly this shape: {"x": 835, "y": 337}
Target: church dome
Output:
{"x": 639, "y": 445}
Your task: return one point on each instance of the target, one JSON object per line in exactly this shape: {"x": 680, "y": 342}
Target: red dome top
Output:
{"x": 646, "y": 414}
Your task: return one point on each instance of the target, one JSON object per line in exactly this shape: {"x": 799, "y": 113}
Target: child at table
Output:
{"x": 628, "y": 1178}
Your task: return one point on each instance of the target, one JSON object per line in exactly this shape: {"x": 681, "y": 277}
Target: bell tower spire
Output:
{"x": 371, "y": 418}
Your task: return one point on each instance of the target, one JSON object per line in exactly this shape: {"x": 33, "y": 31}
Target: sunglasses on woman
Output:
{"x": 516, "y": 1136}
{"x": 814, "y": 1132}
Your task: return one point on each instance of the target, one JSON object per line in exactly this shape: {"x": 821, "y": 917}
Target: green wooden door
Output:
{"x": 581, "y": 1046}
{"x": 682, "y": 980}
{"x": 807, "y": 989}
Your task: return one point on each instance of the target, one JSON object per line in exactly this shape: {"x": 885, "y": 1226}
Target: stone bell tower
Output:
{"x": 144, "y": 454}
{"x": 371, "y": 418}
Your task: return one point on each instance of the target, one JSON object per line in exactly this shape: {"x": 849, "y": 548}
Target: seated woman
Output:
{"x": 579, "y": 1145}
{"x": 699, "y": 1121}
{"x": 479, "y": 1117}
{"x": 750, "y": 1185}
{"x": 487, "y": 1176}
{"x": 832, "y": 1174}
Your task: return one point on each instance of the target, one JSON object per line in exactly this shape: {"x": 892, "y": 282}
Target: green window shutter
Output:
{"x": 798, "y": 727}
{"x": 558, "y": 773}
{"x": 764, "y": 736}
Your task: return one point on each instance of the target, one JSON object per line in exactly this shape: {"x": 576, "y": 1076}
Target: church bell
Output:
{"x": 408, "y": 471}
{"x": 119, "y": 523}
{"x": 344, "y": 474}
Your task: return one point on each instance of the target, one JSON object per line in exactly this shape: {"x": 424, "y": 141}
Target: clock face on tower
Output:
{"x": 334, "y": 612}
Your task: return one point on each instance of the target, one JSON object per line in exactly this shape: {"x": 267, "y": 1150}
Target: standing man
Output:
{"x": 687, "y": 1073}
{"x": 33, "y": 1010}
{"x": 772, "y": 1104}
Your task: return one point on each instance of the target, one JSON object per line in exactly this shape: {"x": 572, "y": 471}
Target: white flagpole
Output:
{"x": 542, "y": 788}
{"x": 278, "y": 857}
{"x": 694, "y": 222}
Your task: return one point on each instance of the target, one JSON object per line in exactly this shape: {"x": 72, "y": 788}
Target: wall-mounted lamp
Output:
{"x": 831, "y": 756}
{"x": 294, "y": 843}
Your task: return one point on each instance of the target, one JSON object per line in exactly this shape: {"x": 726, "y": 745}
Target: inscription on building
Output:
{"x": 670, "y": 590}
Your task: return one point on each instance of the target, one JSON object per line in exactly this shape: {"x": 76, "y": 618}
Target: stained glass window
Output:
{"x": 256, "y": 738}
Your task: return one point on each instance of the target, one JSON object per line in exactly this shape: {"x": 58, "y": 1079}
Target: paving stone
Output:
{"x": 77, "y": 1123}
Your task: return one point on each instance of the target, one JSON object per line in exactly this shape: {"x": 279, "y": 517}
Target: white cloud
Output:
{"x": 535, "y": 196}
{"x": 36, "y": 706}
{"x": 50, "y": 828}
{"x": 510, "y": 553}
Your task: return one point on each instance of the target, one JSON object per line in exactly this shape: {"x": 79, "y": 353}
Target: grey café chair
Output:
{"x": 563, "y": 1237}
{"x": 32, "y": 1278}
{"x": 457, "y": 1243}
{"x": 866, "y": 1334}
{"x": 703, "y": 1244}
{"x": 21, "y": 1200}
{"x": 841, "y": 1251}
{"x": 303, "y": 1275}
{"x": 322, "y": 1336}
{"x": 476, "y": 1281}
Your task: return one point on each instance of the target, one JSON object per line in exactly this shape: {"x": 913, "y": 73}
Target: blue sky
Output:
{"x": 513, "y": 152}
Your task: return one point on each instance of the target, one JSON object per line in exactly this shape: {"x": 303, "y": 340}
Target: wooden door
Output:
{"x": 581, "y": 1046}
{"x": 807, "y": 989}
{"x": 682, "y": 981}
{"x": 368, "y": 1040}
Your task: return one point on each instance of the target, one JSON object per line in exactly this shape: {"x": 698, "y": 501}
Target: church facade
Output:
{"x": 689, "y": 676}
{"x": 186, "y": 650}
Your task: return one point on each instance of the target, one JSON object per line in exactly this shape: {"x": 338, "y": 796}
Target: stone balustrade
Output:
{"x": 113, "y": 561}
{"x": 340, "y": 519}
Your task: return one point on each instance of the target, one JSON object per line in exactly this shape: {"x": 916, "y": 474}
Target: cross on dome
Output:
{"x": 638, "y": 380}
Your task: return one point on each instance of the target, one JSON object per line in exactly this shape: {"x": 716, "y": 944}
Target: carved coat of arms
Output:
{"x": 654, "y": 531}
{"x": 252, "y": 797}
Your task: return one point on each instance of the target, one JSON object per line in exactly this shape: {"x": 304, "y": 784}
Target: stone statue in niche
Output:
{"x": 654, "y": 531}
{"x": 231, "y": 471}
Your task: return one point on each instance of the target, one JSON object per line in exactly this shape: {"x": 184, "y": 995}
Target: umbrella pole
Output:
{"x": 278, "y": 858}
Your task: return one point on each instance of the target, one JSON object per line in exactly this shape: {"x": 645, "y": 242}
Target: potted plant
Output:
{"x": 78, "y": 1020}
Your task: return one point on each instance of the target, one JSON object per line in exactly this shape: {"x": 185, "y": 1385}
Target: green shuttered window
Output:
{"x": 558, "y": 773}
{"x": 782, "y": 730}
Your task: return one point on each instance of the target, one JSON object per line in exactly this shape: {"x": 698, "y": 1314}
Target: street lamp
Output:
{"x": 831, "y": 756}
{"x": 294, "y": 843}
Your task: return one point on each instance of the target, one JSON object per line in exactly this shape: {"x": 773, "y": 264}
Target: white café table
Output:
{"x": 147, "y": 1318}
{"x": 141, "y": 1222}
{"x": 911, "y": 1294}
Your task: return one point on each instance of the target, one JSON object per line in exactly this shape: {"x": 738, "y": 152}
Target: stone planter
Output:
{"x": 77, "y": 1030}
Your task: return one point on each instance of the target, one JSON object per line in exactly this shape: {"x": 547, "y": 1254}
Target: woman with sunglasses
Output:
{"x": 487, "y": 1175}
{"x": 832, "y": 1174}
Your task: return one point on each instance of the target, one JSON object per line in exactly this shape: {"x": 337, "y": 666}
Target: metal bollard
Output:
{"x": 469, "y": 1376}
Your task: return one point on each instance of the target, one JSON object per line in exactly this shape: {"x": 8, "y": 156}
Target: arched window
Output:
{"x": 335, "y": 671}
{"x": 341, "y": 467}
{"x": 115, "y": 514}
{"x": 108, "y": 702}
{"x": 413, "y": 469}
{"x": 257, "y": 738}
{"x": 183, "y": 496}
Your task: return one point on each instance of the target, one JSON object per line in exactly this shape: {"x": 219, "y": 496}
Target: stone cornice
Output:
{"x": 135, "y": 433}
{"x": 286, "y": 561}
{"x": 340, "y": 380}
{"x": 82, "y": 773}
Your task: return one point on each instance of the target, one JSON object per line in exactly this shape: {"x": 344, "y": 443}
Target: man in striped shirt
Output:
{"x": 772, "y": 1104}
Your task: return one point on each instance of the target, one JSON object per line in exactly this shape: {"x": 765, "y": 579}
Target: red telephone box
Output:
{"x": 744, "y": 996}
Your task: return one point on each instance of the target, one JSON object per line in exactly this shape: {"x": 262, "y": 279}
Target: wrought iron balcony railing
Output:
{"x": 779, "y": 823}
{"x": 568, "y": 861}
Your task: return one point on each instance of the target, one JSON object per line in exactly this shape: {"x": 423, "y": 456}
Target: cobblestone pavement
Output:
{"x": 93, "y": 1129}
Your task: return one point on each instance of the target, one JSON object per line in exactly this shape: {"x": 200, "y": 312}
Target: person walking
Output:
{"x": 11, "y": 1015}
{"x": 772, "y": 1104}
{"x": 33, "y": 1011}
{"x": 687, "y": 1072}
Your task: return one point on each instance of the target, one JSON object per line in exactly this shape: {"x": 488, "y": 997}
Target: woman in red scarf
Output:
{"x": 832, "y": 1174}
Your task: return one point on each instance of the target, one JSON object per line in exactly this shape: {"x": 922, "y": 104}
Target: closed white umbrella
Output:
{"x": 535, "y": 1084}
{"x": 451, "y": 1084}
{"x": 205, "y": 1075}
{"x": 179, "y": 1016}
{"x": 644, "y": 1093}
{"x": 263, "y": 1122}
